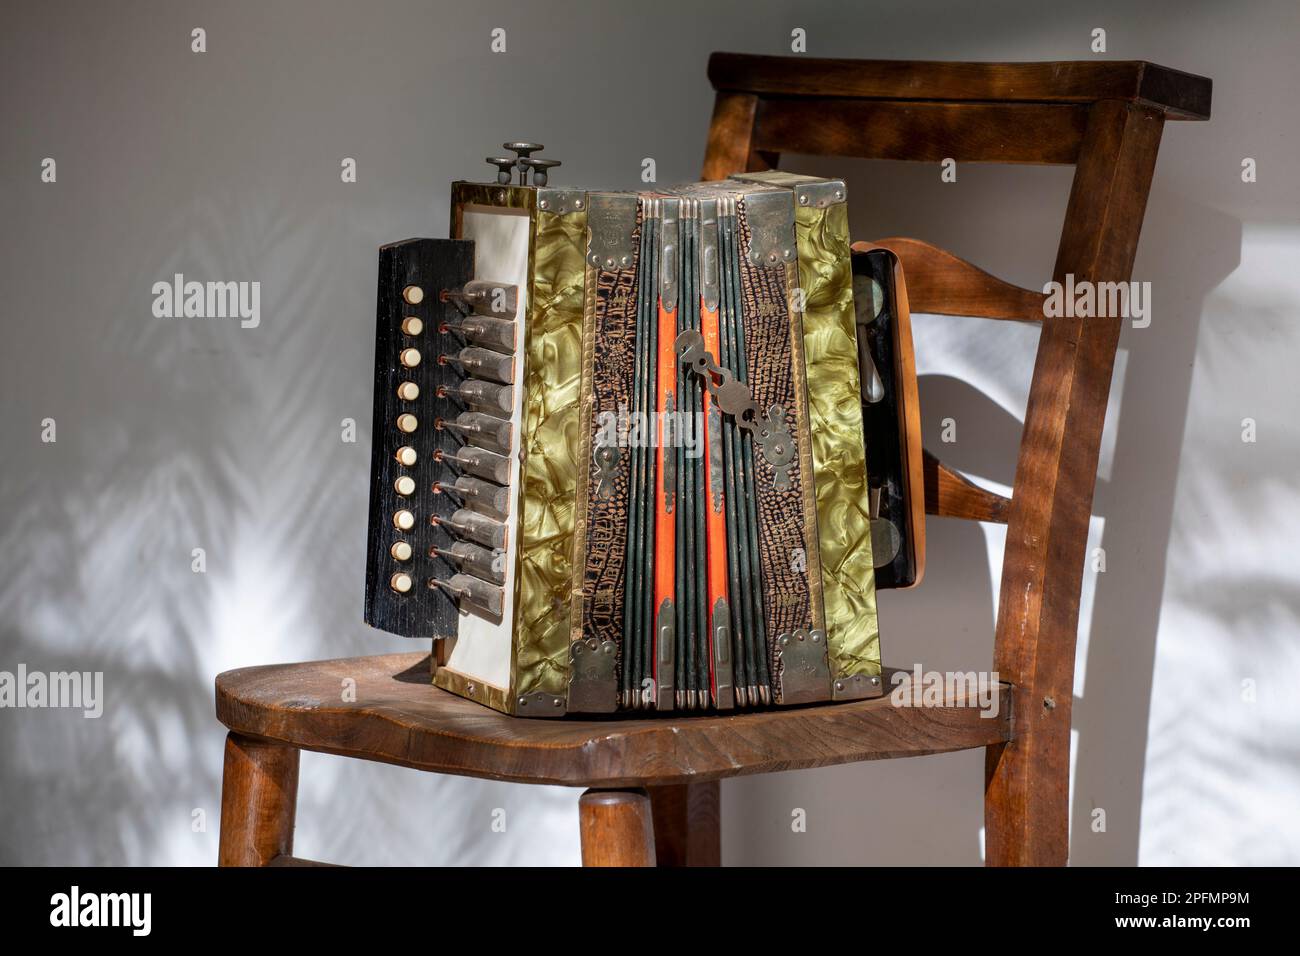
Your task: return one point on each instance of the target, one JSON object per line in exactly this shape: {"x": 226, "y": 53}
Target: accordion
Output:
{"x": 618, "y": 456}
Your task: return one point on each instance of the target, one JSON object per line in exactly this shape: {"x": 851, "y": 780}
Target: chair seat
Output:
{"x": 399, "y": 717}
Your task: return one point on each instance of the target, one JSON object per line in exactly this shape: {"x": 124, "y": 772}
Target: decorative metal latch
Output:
{"x": 771, "y": 432}
{"x": 607, "y": 459}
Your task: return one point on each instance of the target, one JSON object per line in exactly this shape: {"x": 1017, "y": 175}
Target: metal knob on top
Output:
{"x": 523, "y": 162}
{"x": 524, "y": 150}
{"x": 539, "y": 168}
{"x": 504, "y": 167}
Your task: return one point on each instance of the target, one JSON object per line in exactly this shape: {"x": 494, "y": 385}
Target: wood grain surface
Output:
{"x": 259, "y": 798}
{"x": 617, "y": 828}
{"x": 687, "y": 823}
{"x": 940, "y": 283}
{"x": 950, "y": 494}
{"x": 1027, "y": 790}
{"x": 399, "y": 718}
{"x": 1173, "y": 92}
{"x": 1105, "y": 116}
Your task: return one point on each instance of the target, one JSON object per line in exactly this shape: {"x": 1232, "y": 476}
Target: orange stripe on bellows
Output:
{"x": 715, "y": 516}
{"x": 665, "y": 521}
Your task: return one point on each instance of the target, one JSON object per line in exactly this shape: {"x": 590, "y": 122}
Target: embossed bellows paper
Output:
{"x": 618, "y": 457}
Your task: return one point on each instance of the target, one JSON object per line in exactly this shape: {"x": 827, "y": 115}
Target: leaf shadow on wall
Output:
{"x": 898, "y": 812}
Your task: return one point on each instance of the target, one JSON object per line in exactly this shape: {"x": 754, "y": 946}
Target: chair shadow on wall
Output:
{"x": 1187, "y": 250}
{"x": 181, "y": 452}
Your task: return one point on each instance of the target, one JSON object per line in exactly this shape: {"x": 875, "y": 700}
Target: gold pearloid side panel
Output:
{"x": 551, "y": 427}
{"x": 839, "y": 461}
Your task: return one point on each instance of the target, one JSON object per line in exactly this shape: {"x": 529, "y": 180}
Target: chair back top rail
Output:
{"x": 1179, "y": 95}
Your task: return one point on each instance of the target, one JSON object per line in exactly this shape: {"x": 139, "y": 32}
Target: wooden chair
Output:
{"x": 653, "y": 784}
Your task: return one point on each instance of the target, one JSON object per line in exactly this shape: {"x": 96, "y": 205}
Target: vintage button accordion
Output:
{"x": 618, "y": 448}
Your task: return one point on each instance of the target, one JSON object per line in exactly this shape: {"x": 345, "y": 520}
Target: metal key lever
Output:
{"x": 886, "y": 541}
{"x": 480, "y": 462}
{"x": 868, "y": 302}
{"x": 495, "y": 334}
{"x": 484, "y": 363}
{"x": 472, "y": 594}
{"x": 475, "y": 527}
{"x": 480, "y": 429}
{"x": 439, "y": 488}
{"x": 473, "y": 559}
{"x": 488, "y": 297}
{"x": 873, "y": 388}
{"x": 488, "y": 395}
{"x": 489, "y": 497}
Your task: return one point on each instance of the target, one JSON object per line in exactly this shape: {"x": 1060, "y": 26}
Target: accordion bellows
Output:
{"x": 681, "y": 520}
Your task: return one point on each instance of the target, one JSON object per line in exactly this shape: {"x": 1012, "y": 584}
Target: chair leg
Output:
{"x": 259, "y": 798}
{"x": 1028, "y": 832}
{"x": 617, "y": 828}
{"x": 687, "y": 824}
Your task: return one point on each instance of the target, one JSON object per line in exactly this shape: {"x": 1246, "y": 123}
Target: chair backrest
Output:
{"x": 1106, "y": 118}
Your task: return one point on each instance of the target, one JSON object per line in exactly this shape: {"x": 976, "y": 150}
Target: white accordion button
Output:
{"x": 413, "y": 294}
{"x": 404, "y": 521}
{"x": 408, "y": 391}
{"x": 412, "y": 326}
{"x": 410, "y": 357}
{"x": 400, "y": 550}
{"x": 400, "y": 582}
{"x": 407, "y": 423}
{"x": 406, "y": 455}
{"x": 405, "y": 485}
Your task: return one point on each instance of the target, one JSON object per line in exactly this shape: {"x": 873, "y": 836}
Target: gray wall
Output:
{"x": 188, "y": 433}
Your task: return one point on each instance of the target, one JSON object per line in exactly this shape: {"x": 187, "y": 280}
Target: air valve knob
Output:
{"x": 539, "y": 168}
{"x": 524, "y": 150}
{"x": 523, "y": 162}
{"x": 504, "y": 167}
